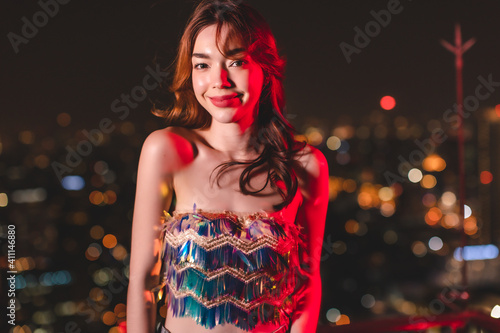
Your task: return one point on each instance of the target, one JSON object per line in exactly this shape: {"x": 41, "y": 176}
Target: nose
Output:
{"x": 220, "y": 77}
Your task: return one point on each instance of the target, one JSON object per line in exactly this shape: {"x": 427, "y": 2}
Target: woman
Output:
{"x": 242, "y": 248}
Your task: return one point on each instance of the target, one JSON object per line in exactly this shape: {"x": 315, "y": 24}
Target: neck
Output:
{"x": 232, "y": 139}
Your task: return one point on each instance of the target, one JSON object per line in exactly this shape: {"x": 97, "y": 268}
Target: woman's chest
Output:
{"x": 200, "y": 183}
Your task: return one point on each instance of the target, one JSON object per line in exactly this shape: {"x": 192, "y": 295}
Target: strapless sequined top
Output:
{"x": 223, "y": 267}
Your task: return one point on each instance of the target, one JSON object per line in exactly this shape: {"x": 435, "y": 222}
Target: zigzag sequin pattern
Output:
{"x": 228, "y": 268}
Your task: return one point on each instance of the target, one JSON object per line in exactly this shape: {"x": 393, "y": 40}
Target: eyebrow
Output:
{"x": 229, "y": 53}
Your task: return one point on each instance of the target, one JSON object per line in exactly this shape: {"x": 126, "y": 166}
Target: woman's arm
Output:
{"x": 159, "y": 159}
{"x": 311, "y": 217}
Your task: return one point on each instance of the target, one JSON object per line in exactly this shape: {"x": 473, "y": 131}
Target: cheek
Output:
{"x": 256, "y": 80}
{"x": 198, "y": 84}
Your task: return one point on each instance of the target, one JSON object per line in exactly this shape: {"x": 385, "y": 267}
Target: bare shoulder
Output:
{"x": 170, "y": 148}
{"x": 312, "y": 161}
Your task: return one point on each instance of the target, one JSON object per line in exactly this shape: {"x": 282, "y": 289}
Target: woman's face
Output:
{"x": 229, "y": 89}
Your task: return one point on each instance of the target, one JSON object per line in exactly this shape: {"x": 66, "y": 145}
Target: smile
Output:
{"x": 225, "y": 101}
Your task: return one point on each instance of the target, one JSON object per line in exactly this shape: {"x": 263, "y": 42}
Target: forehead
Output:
{"x": 205, "y": 41}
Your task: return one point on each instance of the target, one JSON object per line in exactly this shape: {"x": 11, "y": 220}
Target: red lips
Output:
{"x": 224, "y": 97}
{"x": 225, "y": 101}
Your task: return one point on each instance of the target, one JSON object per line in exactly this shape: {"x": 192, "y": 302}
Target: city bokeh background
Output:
{"x": 70, "y": 144}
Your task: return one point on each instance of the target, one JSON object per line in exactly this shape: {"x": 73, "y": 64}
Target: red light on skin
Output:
{"x": 387, "y": 102}
{"x": 497, "y": 109}
{"x": 486, "y": 177}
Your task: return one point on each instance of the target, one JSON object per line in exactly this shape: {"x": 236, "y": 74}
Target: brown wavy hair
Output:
{"x": 271, "y": 130}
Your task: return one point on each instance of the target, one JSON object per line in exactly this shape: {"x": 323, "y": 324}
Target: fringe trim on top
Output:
{"x": 226, "y": 288}
{"x": 228, "y": 313}
{"x": 224, "y": 267}
{"x": 193, "y": 255}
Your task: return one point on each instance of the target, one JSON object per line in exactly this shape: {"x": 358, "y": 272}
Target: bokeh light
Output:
{"x": 96, "y": 294}
{"x": 429, "y": 200}
{"x": 4, "y": 200}
{"x": 401, "y": 122}
{"x": 415, "y": 175}
{"x": 486, "y": 177}
{"x": 386, "y": 193}
{"x": 109, "y": 241}
{"x": 433, "y": 216}
{"x": 96, "y": 232}
{"x": 387, "y": 102}
{"x": 495, "y": 312}
{"x": 119, "y": 252}
{"x": 428, "y": 181}
{"x": 109, "y": 318}
{"x": 343, "y": 320}
{"x": 344, "y": 132}
{"x": 101, "y": 168}
{"x": 351, "y": 226}
{"x": 314, "y": 136}
{"x": 26, "y": 137}
{"x": 390, "y": 237}
{"x": 29, "y": 195}
{"x": 73, "y": 183}
{"x": 433, "y": 163}
{"x": 476, "y": 252}
{"x": 470, "y": 226}
{"x": 368, "y": 301}
{"x": 467, "y": 211}
{"x": 96, "y": 197}
{"x": 333, "y": 143}
{"x": 63, "y": 119}
{"x": 93, "y": 251}
{"x": 387, "y": 209}
{"x": 435, "y": 243}
{"x": 120, "y": 310}
{"x": 450, "y": 220}
{"x": 333, "y": 315}
{"x": 419, "y": 249}
{"x": 344, "y": 146}
{"x": 68, "y": 308}
{"x": 339, "y": 247}
{"x": 448, "y": 198}
{"x": 102, "y": 276}
{"x": 127, "y": 128}
{"x": 109, "y": 197}
{"x": 42, "y": 161}
{"x": 364, "y": 200}
{"x": 349, "y": 185}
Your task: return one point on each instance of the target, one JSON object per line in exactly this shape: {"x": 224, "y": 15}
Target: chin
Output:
{"x": 223, "y": 116}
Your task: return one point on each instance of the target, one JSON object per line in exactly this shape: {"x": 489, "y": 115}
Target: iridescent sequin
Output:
{"x": 223, "y": 267}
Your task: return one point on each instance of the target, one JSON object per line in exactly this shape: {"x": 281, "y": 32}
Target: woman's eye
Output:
{"x": 200, "y": 66}
{"x": 239, "y": 62}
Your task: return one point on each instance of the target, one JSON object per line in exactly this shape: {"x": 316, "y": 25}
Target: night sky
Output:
{"x": 90, "y": 52}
